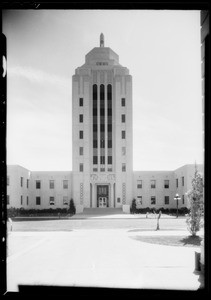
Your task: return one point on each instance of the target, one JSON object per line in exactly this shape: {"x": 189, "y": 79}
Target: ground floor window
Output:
{"x": 65, "y": 200}
{"x": 139, "y": 201}
{"x": 153, "y": 200}
{"x": 38, "y": 200}
{"x": 52, "y": 202}
{"x": 166, "y": 199}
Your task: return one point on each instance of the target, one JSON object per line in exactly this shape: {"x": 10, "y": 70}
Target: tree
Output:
{"x": 72, "y": 209}
{"x": 195, "y": 198}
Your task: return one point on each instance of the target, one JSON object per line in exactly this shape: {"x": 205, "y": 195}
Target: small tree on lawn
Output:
{"x": 72, "y": 207}
{"x": 195, "y": 198}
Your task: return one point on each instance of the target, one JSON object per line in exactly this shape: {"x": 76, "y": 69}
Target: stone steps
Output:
{"x": 102, "y": 211}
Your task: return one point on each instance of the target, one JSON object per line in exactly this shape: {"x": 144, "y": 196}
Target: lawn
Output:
{"x": 168, "y": 240}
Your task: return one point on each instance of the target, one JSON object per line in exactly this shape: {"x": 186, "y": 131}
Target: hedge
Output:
{"x": 14, "y": 212}
{"x": 168, "y": 211}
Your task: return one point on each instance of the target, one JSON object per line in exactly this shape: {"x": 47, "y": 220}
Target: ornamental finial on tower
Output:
{"x": 101, "y": 40}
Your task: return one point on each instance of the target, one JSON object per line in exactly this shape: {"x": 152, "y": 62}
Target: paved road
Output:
{"x": 98, "y": 258}
{"x": 101, "y": 223}
{"x": 102, "y": 252}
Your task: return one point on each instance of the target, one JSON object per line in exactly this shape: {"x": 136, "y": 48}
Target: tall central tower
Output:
{"x": 102, "y": 131}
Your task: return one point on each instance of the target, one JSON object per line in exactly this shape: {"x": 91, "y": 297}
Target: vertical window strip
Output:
{"x": 102, "y": 125}
{"x": 109, "y": 121}
{"x": 94, "y": 116}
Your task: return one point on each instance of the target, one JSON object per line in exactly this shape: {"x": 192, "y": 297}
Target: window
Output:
{"x": 21, "y": 181}
{"x": 8, "y": 199}
{"x": 27, "y": 200}
{"x": 27, "y": 183}
{"x": 109, "y": 92}
{"x": 123, "y": 118}
{"x": 38, "y": 184}
{"x": 81, "y": 167}
{"x": 94, "y": 143}
{"x": 153, "y": 184}
{"x": 109, "y": 127}
{"x": 109, "y": 169}
{"x": 166, "y": 184}
{"x": 177, "y": 183}
{"x": 118, "y": 200}
{"x": 183, "y": 199}
{"x": 81, "y": 101}
{"x": 123, "y": 150}
{"x": 8, "y": 180}
{"x": 153, "y": 200}
{"x": 123, "y": 167}
{"x": 95, "y": 160}
{"x": 123, "y": 101}
{"x": 21, "y": 200}
{"x": 81, "y": 135}
{"x": 102, "y": 160}
{"x": 109, "y": 160}
{"x": 38, "y": 201}
{"x": 95, "y": 127}
{"x": 65, "y": 200}
{"x": 51, "y": 184}
{"x": 51, "y": 202}
{"x": 81, "y": 150}
{"x": 95, "y": 169}
{"x": 65, "y": 184}
{"x": 102, "y": 127}
{"x": 139, "y": 184}
{"x": 81, "y": 118}
{"x": 109, "y": 143}
{"x": 123, "y": 134}
{"x": 183, "y": 181}
{"x": 166, "y": 200}
{"x": 138, "y": 201}
{"x": 109, "y": 112}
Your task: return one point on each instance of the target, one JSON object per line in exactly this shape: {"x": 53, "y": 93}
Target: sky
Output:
{"x": 161, "y": 49}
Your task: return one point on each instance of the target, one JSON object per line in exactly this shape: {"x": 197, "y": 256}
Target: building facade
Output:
{"x": 102, "y": 153}
{"x": 43, "y": 190}
{"x": 102, "y": 130}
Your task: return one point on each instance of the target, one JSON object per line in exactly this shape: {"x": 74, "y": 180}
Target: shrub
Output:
{"x": 183, "y": 210}
{"x": 72, "y": 209}
{"x": 133, "y": 209}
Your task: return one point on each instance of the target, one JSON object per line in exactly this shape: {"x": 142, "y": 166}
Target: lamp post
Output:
{"x": 177, "y": 198}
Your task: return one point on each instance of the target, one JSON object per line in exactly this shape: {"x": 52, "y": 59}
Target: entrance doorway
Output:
{"x": 102, "y": 196}
{"x": 102, "y": 201}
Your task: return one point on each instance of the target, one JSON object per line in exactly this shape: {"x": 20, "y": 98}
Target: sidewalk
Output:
{"x": 99, "y": 258}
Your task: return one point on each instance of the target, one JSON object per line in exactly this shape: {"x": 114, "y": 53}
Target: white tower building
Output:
{"x": 102, "y": 131}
